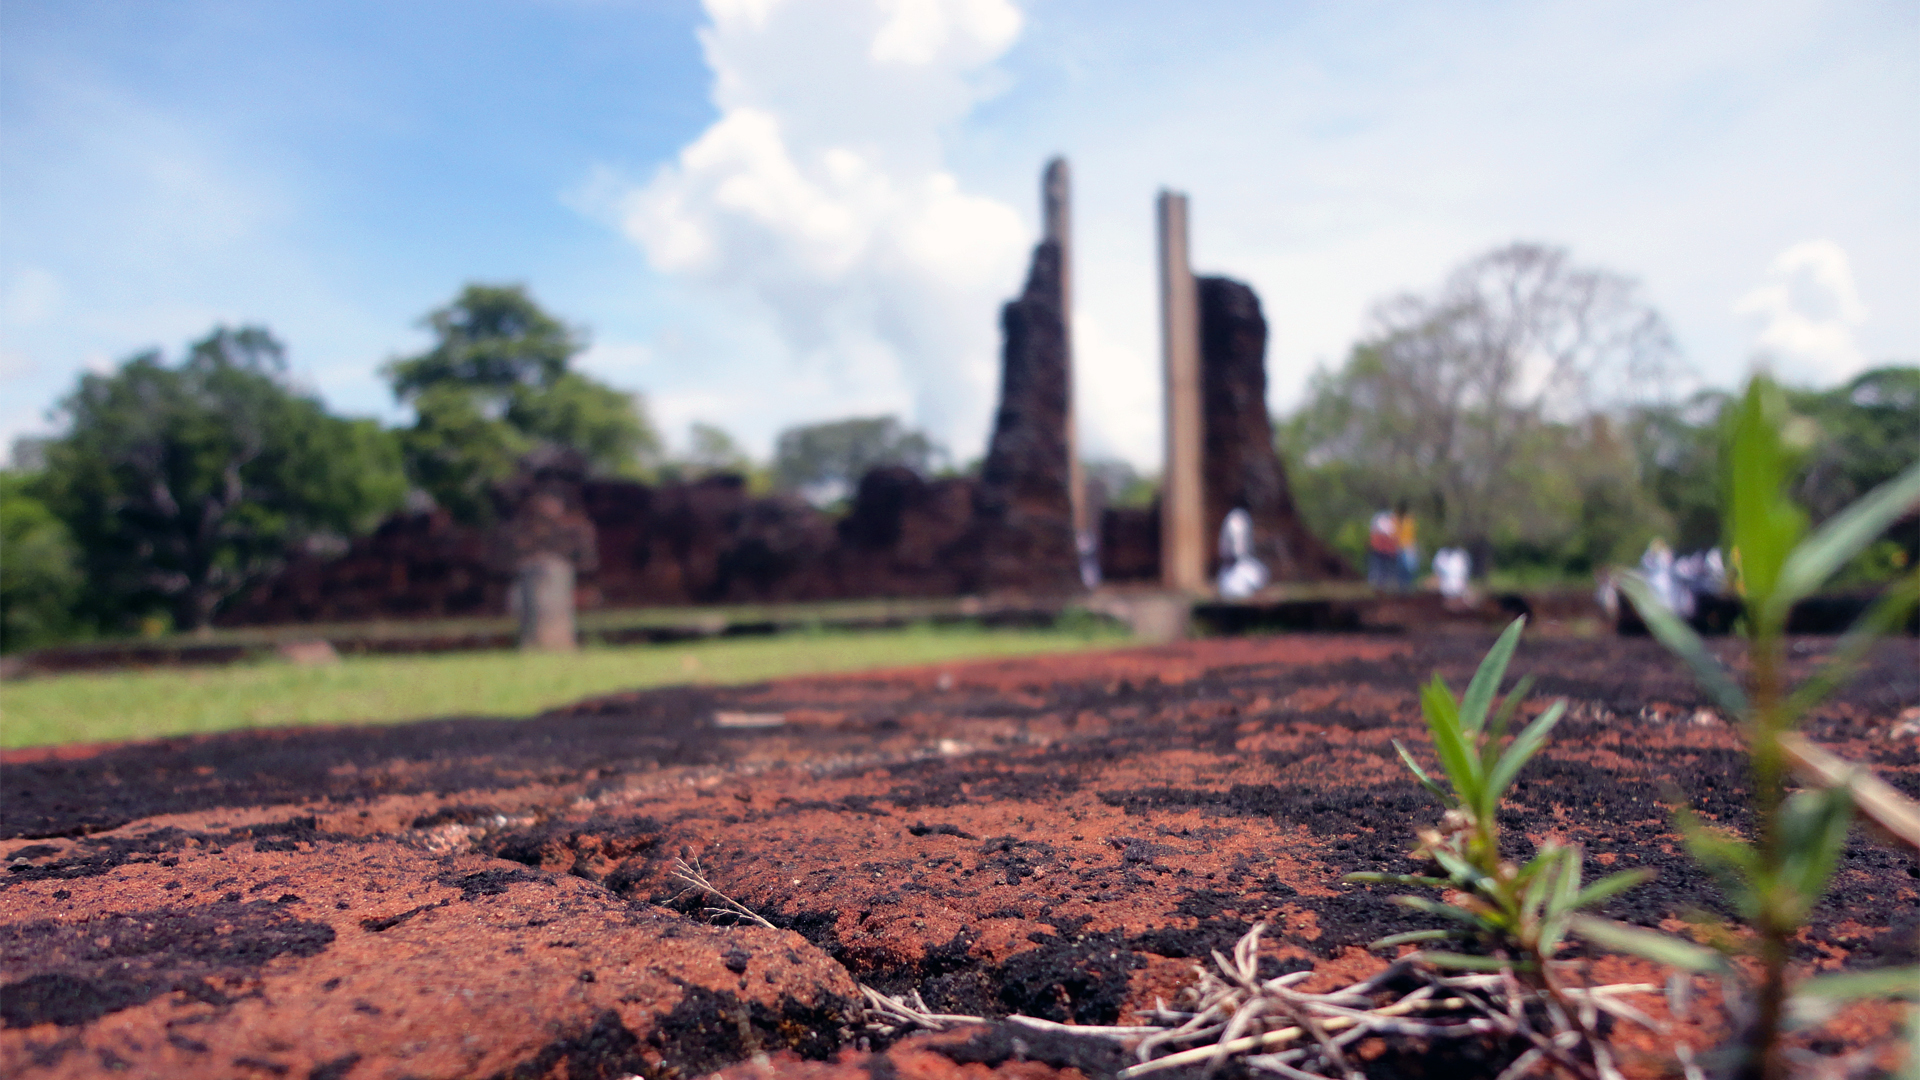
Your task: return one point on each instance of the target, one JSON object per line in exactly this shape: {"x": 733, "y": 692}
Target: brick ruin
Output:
{"x": 1239, "y": 465}
{"x": 1010, "y": 530}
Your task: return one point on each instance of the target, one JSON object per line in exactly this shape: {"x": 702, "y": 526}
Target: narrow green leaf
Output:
{"x": 1465, "y": 874}
{"x": 1502, "y": 720}
{"x": 1448, "y": 744}
{"x": 1610, "y": 886}
{"x": 1445, "y": 911}
{"x": 1763, "y": 525}
{"x": 1884, "y": 617}
{"x": 1680, "y": 640}
{"x": 1486, "y": 681}
{"x": 1524, "y": 746}
{"x": 1814, "y": 825}
{"x": 1446, "y": 797}
{"x": 1568, "y": 885}
{"x": 1444, "y": 703}
{"x": 1902, "y": 982}
{"x": 1540, "y": 866}
{"x": 1648, "y": 944}
{"x": 1734, "y": 864}
{"x": 1410, "y": 937}
{"x": 1554, "y": 926}
{"x": 1844, "y": 535}
{"x": 1472, "y": 963}
{"x": 1538, "y": 884}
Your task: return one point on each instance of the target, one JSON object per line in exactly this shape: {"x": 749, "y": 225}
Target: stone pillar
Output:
{"x": 543, "y": 591}
{"x": 1056, "y": 201}
{"x": 1183, "y": 541}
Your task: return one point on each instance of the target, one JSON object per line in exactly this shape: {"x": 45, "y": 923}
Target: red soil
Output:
{"x": 1061, "y": 837}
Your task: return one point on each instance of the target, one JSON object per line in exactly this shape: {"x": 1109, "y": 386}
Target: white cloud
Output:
{"x": 1336, "y": 154}
{"x": 1807, "y": 312}
{"x": 819, "y": 204}
{"x": 917, "y": 32}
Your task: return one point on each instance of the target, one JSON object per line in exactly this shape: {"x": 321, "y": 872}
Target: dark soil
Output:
{"x": 1062, "y": 837}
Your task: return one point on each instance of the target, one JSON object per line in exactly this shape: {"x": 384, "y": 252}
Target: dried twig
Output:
{"x": 1275, "y": 1028}
{"x": 1231, "y": 1003}
{"x": 697, "y": 882}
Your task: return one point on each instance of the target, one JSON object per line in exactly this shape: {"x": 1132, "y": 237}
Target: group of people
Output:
{"x": 1393, "y": 556}
{"x": 1393, "y": 551}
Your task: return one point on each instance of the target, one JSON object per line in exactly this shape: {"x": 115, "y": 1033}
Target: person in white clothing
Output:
{"x": 1451, "y": 568}
{"x": 1241, "y": 575}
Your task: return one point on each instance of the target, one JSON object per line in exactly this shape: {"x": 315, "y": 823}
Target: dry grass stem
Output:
{"x": 691, "y": 875}
{"x": 1308, "y": 1035}
{"x": 1276, "y": 1029}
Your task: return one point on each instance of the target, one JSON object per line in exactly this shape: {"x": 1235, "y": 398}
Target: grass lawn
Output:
{"x": 151, "y": 704}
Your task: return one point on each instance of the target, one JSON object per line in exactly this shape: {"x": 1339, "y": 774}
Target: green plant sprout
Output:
{"x": 1519, "y": 914}
{"x": 1774, "y": 879}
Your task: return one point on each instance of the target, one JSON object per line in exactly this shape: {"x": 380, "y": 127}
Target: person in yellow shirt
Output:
{"x": 1408, "y": 544}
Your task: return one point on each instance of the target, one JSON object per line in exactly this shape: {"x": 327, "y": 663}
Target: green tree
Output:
{"x": 492, "y": 337}
{"x": 825, "y": 461}
{"x": 1863, "y": 433}
{"x": 1678, "y": 449}
{"x": 40, "y": 578}
{"x": 1452, "y": 397}
{"x": 711, "y": 451}
{"x": 1869, "y": 432}
{"x": 498, "y": 382}
{"x": 455, "y": 451}
{"x": 182, "y": 485}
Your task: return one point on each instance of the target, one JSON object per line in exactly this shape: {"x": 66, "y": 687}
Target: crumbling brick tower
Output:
{"x": 1029, "y": 504}
{"x": 1240, "y": 466}
{"x": 1022, "y": 538}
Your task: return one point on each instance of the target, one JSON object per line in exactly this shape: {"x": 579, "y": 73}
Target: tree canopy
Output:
{"x": 825, "y": 461}
{"x": 711, "y": 450}
{"x": 498, "y": 383}
{"x": 492, "y": 337}
{"x": 40, "y": 580}
{"x": 182, "y": 484}
{"x": 1480, "y": 404}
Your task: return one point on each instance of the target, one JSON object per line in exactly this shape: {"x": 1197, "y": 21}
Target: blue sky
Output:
{"x": 776, "y": 211}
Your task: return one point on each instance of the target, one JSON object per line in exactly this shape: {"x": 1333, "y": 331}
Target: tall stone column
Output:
{"x": 1183, "y": 541}
{"x": 1056, "y": 201}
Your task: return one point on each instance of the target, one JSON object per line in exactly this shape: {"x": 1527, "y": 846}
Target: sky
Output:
{"x": 772, "y": 212}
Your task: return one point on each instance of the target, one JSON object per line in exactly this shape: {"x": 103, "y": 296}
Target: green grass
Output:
{"x": 152, "y": 704}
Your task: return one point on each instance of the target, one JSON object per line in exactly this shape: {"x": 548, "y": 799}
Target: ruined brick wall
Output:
{"x": 1130, "y": 543}
{"x": 903, "y": 536}
{"x": 414, "y": 566}
{"x": 712, "y": 542}
{"x": 1241, "y": 467}
{"x": 701, "y": 543}
{"x": 1022, "y": 537}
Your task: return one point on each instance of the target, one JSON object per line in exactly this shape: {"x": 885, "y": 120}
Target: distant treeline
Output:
{"x": 1517, "y": 411}
{"x": 175, "y": 485}
{"x": 1525, "y": 411}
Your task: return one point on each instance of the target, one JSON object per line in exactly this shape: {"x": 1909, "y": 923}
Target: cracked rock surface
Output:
{"x": 1063, "y": 837}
